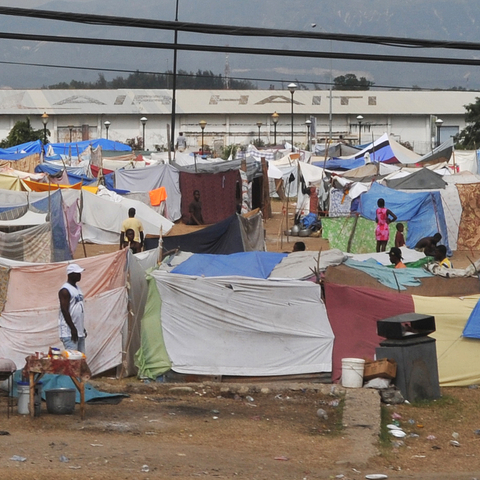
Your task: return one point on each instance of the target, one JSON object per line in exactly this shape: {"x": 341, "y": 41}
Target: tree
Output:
{"x": 469, "y": 137}
{"x": 22, "y": 132}
{"x": 351, "y": 82}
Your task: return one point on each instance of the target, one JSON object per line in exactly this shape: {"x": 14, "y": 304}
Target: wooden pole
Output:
{"x": 266, "y": 206}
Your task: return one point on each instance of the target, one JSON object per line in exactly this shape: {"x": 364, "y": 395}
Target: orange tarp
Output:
{"x": 45, "y": 187}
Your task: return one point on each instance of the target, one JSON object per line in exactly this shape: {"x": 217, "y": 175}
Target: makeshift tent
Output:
{"x": 76, "y": 148}
{"x": 234, "y": 234}
{"x": 422, "y": 179}
{"x": 354, "y": 311}
{"x": 151, "y": 178}
{"x": 247, "y": 326}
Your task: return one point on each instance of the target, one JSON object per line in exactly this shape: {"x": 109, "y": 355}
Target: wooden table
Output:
{"x": 35, "y": 368}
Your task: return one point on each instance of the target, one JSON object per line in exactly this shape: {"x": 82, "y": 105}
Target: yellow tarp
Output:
{"x": 8, "y": 182}
{"x": 458, "y": 357}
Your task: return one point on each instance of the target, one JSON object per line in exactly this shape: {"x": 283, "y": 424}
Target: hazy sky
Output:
{"x": 430, "y": 19}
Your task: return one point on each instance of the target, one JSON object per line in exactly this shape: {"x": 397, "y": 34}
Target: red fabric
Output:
{"x": 217, "y": 194}
{"x": 95, "y": 170}
{"x": 61, "y": 366}
{"x": 353, "y": 313}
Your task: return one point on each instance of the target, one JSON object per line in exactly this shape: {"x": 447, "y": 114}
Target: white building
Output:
{"x": 239, "y": 116}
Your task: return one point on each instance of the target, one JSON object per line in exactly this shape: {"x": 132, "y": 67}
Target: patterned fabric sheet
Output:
{"x": 339, "y": 204}
{"x": 61, "y": 366}
{"x": 469, "y": 228}
{"x": 338, "y": 231}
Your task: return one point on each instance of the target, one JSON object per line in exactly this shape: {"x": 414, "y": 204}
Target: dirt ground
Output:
{"x": 239, "y": 431}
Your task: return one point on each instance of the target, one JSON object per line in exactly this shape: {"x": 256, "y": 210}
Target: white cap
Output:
{"x": 74, "y": 268}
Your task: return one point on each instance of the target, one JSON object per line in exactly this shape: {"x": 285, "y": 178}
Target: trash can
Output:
{"x": 407, "y": 342}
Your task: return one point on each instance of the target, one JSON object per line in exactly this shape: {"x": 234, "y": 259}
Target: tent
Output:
{"x": 247, "y": 326}
{"x": 76, "y": 148}
{"x": 422, "y": 179}
{"x": 234, "y": 234}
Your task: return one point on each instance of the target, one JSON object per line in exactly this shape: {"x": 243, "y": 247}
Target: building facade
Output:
{"x": 239, "y": 116}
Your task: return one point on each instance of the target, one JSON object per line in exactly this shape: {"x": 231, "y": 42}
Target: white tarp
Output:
{"x": 243, "y": 326}
{"x": 102, "y": 218}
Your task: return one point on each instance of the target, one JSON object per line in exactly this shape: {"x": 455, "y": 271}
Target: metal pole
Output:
{"x": 143, "y": 137}
{"x": 174, "y": 82}
{"x": 292, "y": 92}
{"x": 275, "y": 133}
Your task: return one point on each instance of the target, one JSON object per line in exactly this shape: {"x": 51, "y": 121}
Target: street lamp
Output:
{"x": 438, "y": 123}
{"x": 107, "y": 125}
{"x": 275, "y": 116}
{"x": 202, "y": 124}
{"x": 144, "y": 121}
{"x": 308, "y": 123}
{"x": 70, "y": 128}
{"x": 359, "y": 119}
{"x": 292, "y": 87}
{"x": 45, "y": 121}
{"x": 259, "y": 125}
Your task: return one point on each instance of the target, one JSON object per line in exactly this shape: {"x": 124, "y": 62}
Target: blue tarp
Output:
{"x": 72, "y": 178}
{"x": 244, "y": 264}
{"x": 423, "y": 211}
{"x": 21, "y": 151}
{"x": 472, "y": 327}
{"x": 75, "y": 148}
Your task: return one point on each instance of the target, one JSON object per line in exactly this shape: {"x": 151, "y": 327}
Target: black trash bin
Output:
{"x": 407, "y": 342}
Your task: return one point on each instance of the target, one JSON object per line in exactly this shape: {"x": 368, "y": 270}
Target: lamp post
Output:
{"x": 107, "y": 125}
{"x": 359, "y": 119}
{"x": 275, "y": 116}
{"x": 202, "y": 124}
{"x": 44, "y": 121}
{"x": 308, "y": 123}
{"x": 144, "y": 121}
{"x": 292, "y": 87}
{"x": 259, "y": 125}
{"x": 438, "y": 123}
{"x": 70, "y": 128}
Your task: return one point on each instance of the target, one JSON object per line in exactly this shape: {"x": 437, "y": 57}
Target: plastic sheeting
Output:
{"x": 102, "y": 218}
{"x": 151, "y": 178}
{"x": 247, "y": 264}
{"x": 243, "y": 327}
{"x": 423, "y": 211}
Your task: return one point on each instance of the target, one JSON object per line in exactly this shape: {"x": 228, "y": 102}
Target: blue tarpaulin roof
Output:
{"x": 75, "y": 148}
{"x": 72, "y": 178}
{"x": 472, "y": 327}
{"x": 423, "y": 211}
{"x": 244, "y": 264}
{"x": 21, "y": 151}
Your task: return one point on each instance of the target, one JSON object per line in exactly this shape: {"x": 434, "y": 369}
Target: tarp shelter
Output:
{"x": 423, "y": 179}
{"x": 76, "y": 148}
{"x": 423, "y": 211}
{"x": 246, "y": 326}
{"x": 354, "y": 311}
{"x": 218, "y": 194}
{"x": 234, "y": 234}
{"x": 151, "y": 178}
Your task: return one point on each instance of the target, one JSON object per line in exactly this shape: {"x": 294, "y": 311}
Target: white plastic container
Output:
{"x": 23, "y": 389}
{"x": 352, "y": 372}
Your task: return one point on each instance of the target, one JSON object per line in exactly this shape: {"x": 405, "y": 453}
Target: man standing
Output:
{"x": 136, "y": 225}
{"x": 195, "y": 210}
{"x": 71, "y": 317}
{"x": 181, "y": 144}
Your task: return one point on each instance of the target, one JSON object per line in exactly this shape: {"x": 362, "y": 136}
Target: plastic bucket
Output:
{"x": 352, "y": 372}
{"x": 23, "y": 389}
{"x": 60, "y": 401}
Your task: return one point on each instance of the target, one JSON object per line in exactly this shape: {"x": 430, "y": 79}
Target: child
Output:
{"x": 383, "y": 218}
{"x": 441, "y": 256}
{"x": 129, "y": 242}
{"x": 399, "y": 238}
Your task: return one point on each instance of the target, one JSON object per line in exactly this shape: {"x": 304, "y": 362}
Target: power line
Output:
{"x": 233, "y": 30}
{"x": 240, "y": 50}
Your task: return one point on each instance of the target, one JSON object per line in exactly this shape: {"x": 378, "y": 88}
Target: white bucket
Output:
{"x": 23, "y": 389}
{"x": 352, "y": 372}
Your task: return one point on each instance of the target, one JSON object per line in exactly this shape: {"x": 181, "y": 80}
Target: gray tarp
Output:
{"x": 151, "y": 178}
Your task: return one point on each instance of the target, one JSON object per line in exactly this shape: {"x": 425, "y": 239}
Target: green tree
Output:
{"x": 22, "y": 132}
{"x": 351, "y": 82}
{"x": 469, "y": 137}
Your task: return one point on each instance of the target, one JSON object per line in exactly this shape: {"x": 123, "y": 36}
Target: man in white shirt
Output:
{"x": 181, "y": 144}
{"x": 71, "y": 317}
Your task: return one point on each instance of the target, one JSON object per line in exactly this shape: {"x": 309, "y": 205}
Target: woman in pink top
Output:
{"x": 383, "y": 218}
